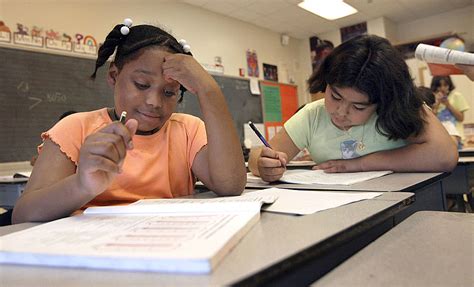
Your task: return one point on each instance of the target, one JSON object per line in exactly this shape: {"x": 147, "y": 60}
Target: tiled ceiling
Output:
{"x": 284, "y": 16}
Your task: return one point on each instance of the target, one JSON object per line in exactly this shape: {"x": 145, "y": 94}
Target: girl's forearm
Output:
{"x": 226, "y": 161}
{"x": 49, "y": 203}
{"x": 412, "y": 158}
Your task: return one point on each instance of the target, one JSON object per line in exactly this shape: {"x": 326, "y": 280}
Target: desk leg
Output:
{"x": 430, "y": 197}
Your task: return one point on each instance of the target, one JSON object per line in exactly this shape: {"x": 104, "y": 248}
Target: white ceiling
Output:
{"x": 284, "y": 16}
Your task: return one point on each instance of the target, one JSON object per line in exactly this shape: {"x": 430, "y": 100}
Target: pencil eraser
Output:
{"x": 123, "y": 117}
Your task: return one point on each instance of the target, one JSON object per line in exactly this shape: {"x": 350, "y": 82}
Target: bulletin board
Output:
{"x": 280, "y": 102}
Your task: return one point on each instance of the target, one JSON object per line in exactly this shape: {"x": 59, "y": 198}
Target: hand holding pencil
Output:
{"x": 102, "y": 155}
{"x": 271, "y": 163}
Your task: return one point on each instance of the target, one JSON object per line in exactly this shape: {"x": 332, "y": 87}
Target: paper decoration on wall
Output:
{"x": 36, "y": 31}
{"x": 280, "y": 102}
{"x": 22, "y": 30}
{"x": 51, "y": 34}
{"x": 252, "y": 64}
{"x": 270, "y": 72}
{"x": 55, "y": 41}
{"x": 85, "y": 45}
{"x": 49, "y": 39}
{"x": 67, "y": 38}
{"x": 22, "y": 36}
{"x": 5, "y": 33}
{"x": 353, "y": 30}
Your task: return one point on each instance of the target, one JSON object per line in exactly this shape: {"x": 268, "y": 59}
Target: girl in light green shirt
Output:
{"x": 370, "y": 118}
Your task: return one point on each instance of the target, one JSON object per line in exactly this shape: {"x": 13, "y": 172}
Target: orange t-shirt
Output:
{"x": 159, "y": 166}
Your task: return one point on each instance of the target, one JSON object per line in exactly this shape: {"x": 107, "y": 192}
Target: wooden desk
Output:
{"x": 427, "y": 249}
{"x": 280, "y": 249}
{"x": 427, "y": 188}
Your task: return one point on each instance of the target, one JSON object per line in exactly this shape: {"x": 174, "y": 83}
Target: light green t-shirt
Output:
{"x": 311, "y": 128}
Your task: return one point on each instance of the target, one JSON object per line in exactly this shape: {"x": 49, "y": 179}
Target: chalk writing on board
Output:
{"x": 56, "y": 97}
{"x": 23, "y": 87}
{"x": 37, "y": 101}
{"x": 242, "y": 85}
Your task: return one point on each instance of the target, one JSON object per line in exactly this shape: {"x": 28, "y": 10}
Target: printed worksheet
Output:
{"x": 304, "y": 202}
{"x": 302, "y": 176}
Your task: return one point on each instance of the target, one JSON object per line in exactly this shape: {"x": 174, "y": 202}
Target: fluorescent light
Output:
{"x": 329, "y": 9}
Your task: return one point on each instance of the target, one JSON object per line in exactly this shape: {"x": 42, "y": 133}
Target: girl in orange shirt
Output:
{"x": 93, "y": 159}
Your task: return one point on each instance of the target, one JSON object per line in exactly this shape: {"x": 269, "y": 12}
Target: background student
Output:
{"x": 93, "y": 159}
{"x": 370, "y": 118}
{"x": 452, "y": 104}
{"x": 429, "y": 98}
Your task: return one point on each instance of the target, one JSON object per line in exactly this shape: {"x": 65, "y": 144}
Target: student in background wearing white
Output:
{"x": 429, "y": 98}
{"x": 93, "y": 159}
{"x": 370, "y": 118}
{"x": 451, "y": 105}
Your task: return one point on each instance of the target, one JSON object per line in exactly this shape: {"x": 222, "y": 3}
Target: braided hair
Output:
{"x": 128, "y": 47}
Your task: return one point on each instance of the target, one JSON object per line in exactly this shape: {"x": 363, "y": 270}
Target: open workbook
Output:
{"x": 166, "y": 235}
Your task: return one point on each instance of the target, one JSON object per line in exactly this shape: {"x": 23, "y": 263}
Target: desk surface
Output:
{"x": 428, "y": 249}
{"x": 268, "y": 250}
{"x": 11, "y": 180}
{"x": 469, "y": 151}
{"x": 466, "y": 159}
{"x": 405, "y": 182}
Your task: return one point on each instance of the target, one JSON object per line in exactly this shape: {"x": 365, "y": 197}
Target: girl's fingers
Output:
{"x": 100, "y": 163}
{"x": 109, "y": 145}
{"x": 121, "y": 130}
{"x": 267, "y": 162}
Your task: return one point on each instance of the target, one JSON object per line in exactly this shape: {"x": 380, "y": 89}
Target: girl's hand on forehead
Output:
{"x": 103, "y": 153}
{"x": 189, "y": 73}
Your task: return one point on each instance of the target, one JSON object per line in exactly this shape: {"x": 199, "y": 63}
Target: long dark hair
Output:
{"x": 371, "y": 65}
{"x": 436, "y": 83}
{"x": 129, "y": 47}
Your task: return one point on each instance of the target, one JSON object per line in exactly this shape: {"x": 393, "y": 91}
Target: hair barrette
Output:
{"x": 185, "y": 45}
{"x": 125, "y": 29}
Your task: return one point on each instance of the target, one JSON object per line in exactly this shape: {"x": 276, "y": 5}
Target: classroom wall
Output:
{"x": 208, "y": 33}
{"x": 211, "y": 34}
{"x": 460, "y": 21}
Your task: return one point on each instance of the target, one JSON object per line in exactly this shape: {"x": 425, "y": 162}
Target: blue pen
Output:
{"x": 259, "y": 135}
